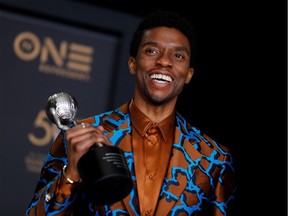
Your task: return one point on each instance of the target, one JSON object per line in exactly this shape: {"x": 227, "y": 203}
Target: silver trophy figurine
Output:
{"x": 62, "y": 109}
{"x": 105, "y": 176}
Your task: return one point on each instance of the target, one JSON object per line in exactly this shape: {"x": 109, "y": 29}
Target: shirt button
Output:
{"x": 147, "y": 213}
{"x": 150, "y": 176}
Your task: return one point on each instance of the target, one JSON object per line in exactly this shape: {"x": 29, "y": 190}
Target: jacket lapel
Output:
{"x": 119, "y": 132}
{"x": 184, "y": 154}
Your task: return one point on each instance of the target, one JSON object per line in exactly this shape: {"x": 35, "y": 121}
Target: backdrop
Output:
{"x": 40, "y": 57}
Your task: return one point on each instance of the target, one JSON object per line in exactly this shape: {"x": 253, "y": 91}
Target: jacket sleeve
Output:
{"x": 53, "y": 196}
{"x": 225, "y": 189}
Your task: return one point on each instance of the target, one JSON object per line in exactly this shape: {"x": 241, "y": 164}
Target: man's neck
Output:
{"x": 155, "y": 113}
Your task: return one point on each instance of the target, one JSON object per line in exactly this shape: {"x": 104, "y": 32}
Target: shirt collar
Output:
{"x": 142, "y": 123}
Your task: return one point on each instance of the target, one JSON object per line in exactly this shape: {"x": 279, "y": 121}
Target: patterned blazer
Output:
{"x": 200, "y": 178}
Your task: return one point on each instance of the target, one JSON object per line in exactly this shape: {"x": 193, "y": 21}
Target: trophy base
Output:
{"x": 109, "y": 189}
{"x": 105, "y": 175}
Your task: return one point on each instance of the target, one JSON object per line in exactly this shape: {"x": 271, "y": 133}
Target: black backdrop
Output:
{"x": 238, "y": 90}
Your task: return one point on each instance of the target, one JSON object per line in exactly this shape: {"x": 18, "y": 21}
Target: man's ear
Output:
{"x": 189, "y": 75}
{"x": 132, "y": 65}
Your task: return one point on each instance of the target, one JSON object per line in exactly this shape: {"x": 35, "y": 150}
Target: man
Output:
{"x": 176, "y": 170}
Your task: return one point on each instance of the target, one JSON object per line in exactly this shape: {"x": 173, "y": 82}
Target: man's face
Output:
{"x": 162, "y": 65}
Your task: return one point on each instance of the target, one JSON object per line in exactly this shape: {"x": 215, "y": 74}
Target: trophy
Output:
{"x": 103, "y": 169}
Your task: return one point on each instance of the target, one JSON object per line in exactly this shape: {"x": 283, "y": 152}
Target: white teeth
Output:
{"x": 161, "y": 77}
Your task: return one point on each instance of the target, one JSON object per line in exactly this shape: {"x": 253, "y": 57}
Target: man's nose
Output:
{"x": 164, "y": 60}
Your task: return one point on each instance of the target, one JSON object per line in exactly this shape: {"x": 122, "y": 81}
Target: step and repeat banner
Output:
{"x": 39, "y": 58}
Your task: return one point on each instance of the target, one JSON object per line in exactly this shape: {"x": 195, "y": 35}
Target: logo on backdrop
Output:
{"x": 49, "y": 131}
{"x": 69, "y": 60}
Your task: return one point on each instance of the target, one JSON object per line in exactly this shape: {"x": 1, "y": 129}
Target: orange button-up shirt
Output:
{"x": 152, "y": 144}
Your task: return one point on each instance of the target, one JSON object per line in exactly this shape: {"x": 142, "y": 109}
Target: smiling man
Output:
{"x": 176, "y": 170}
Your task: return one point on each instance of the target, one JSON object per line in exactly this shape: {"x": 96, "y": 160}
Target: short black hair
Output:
{"x": 168, "y": 19}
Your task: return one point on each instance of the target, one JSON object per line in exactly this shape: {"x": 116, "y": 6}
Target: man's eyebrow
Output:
{"x": 177, "y": 48}
{"x": 181, "y": 48}
{"x": 150, "y": 43}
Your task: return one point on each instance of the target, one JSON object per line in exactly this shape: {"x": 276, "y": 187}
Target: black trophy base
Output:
{"x": 105, "y": 175}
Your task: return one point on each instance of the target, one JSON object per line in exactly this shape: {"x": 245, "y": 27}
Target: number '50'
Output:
{"x": 42, "y": 122}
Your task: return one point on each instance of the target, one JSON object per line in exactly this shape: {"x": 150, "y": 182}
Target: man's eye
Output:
{"x": 151, "y": 51}
{"x": 179, "y": 56}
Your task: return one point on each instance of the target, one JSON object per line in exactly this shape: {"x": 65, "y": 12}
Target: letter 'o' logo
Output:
{"x": 27, "y": 46}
